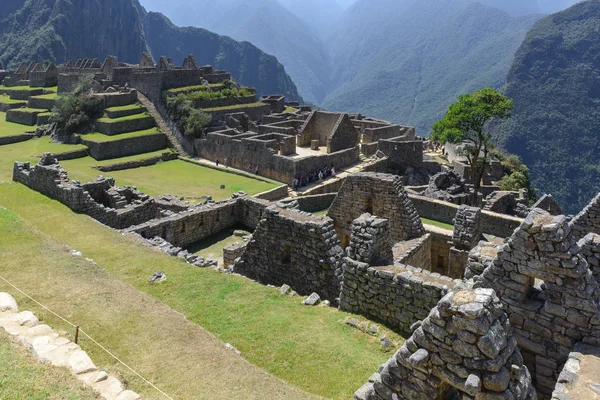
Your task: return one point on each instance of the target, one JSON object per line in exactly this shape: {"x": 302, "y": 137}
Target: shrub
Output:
{"x": 195, "y": 123}
{"x": 74, "y": 113}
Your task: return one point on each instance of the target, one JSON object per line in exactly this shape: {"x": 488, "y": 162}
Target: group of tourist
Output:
{"x": 226, "y": 165}
{"x": 317, "y": 175}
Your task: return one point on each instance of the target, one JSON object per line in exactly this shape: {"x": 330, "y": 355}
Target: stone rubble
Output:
{"x": 49, "y": 346}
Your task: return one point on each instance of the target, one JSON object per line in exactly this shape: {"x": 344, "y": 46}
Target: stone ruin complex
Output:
{"x": 500, "y": 306}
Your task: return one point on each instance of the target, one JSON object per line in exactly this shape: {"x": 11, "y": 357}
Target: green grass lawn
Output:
{"x": 179, "y": 356}
{"x": 23, "y": 376}
{"x": 126, "y": 118}
{"x": 185, "y": 89}
{"x": 12, "y": 129}
{"x": 30, "y": 150}
{"x": 5, "y": 99}
{"x": 100, "y": 137}
{"x": 126, "y": 107}
{"x": 235, "y": 107}
{"x": 177, "y": 177}
{"x": 47, "y": 96}
{"x": 29, "y": 110}
{"x": 309, "y": 347}
{"x": 438, "y": 224}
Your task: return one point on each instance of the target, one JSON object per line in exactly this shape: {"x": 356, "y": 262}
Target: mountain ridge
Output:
{"x": 53, "y": 29}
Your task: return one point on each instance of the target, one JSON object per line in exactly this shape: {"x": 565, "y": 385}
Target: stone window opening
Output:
{"x": 447, "y": 392}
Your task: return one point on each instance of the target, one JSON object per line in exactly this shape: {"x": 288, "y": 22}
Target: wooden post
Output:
{"x": 76, "y": 334}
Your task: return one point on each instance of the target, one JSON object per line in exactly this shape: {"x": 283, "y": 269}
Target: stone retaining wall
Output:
{"x": 22, "y": 116}
{"x": 126, "y": 147}
{"x": 314, "y": 203}
{"x": 418, "y": 253}
{"x": 41, "y": 102}
{"x": 15, "y": 139}
{"x": 166, "y": 156}
{"x": 112, "y": 127}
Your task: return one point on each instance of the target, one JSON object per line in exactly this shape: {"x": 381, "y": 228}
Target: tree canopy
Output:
{"x": 467, "y": 122}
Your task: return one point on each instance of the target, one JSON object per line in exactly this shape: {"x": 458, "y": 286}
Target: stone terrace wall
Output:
{"x": 373, "y": 135}
{"x": 52, "y": 181}
{"x": 294, "y": 249}
{"x": 378, "y": 194}
{"x": 463, "y": 350}
{"x": 495, "y": 224}
{"x": 558, "y": 312}
{"x": 588, "y": 220}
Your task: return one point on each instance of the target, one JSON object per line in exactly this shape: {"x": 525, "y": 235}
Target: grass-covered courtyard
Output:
{"x": 310, "y": 347}
{"x": 178, "y": 178}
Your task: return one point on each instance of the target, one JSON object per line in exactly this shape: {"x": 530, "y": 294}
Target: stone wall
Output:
{"x": 590, "y": 247}
{"x": 495, "y": 224}
{"x": 317, "y": 202}
{"x": 542, "y": 278}
{"x": 588, "y": 220}
{"x": 52, "y": 181}
{"x": 23, "y": 116}
{"x": 579, "y": 377}
{"x": 243, "y": 149}
{"x": 402, "y": 154}
{"x": 378, "y": 194}
{"x": 397, "y": 295}
{"x": 370, "y": 241}
{"x": 464, "y": 349}
{"x": 297, "y": 250}
{"x": 186, "y": 228}
{"x": 373, "y": 135}
{"x": 417, "y": 252}
{"x": 111, "y": 127}
{"x": 233, "y": 252}
{"x": 126, "y": 147}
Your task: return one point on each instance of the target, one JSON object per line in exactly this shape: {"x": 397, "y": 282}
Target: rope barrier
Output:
{"x": 88, "y": 336}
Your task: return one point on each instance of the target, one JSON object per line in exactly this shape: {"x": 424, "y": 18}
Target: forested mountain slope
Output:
{"x": 407, "y": 60}
{"x": 60, "y": 30}
{"x": 555, "y": 83}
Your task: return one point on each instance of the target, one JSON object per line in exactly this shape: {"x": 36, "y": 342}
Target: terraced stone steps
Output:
{"x": 24, "y": 116}
{"x": 127, "y": 124}
{"x": 124, "y": 111}
{"x": 104, "y": 147}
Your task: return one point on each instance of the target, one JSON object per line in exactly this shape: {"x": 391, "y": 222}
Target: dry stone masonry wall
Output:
{"x": 545, "y": 283}
{"x": 464, "y": 349}
{"x": 294, "y": 249}
{"x": 378, "y": 194}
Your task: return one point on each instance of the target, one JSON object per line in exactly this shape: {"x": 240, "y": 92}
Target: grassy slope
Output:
{"x": 23, "y": 375}
{"x": 309, "y": 347}
{"x": 100, "y": 137}
{"x": 12, "y": 129}
{"x": 178, "y": 356}
{"x": 178, "y": 178}
{"x": 5, "y": 99}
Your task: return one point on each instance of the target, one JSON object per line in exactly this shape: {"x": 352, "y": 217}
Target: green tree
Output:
{"x": 195, "y": 123}
{"x": 466, "y": 122}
